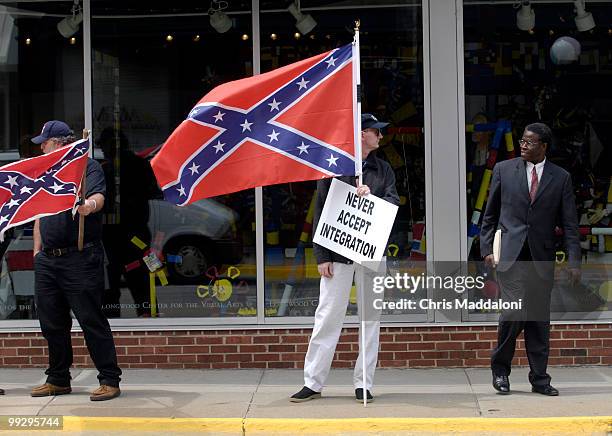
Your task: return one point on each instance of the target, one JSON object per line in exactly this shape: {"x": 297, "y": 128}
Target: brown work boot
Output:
{"x": 49, "y": 390}
{"x": 105, "y": 392}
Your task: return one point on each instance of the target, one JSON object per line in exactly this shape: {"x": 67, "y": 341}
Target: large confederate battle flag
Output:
{"x": 41, "y": 186}
{"x": 292, "y": 124}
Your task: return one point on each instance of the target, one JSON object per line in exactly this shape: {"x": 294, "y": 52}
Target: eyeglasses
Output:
{"x": 529, "y": 143}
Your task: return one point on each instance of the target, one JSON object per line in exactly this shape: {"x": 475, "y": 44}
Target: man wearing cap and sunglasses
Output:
{"x": 337, "y": 273}
{"x": 67, "y": 279}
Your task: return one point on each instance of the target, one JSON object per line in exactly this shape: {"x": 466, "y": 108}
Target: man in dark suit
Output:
{"x": 529, "y": 196}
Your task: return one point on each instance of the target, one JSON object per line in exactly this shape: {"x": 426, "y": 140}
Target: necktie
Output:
{"x": 534, "y": 184}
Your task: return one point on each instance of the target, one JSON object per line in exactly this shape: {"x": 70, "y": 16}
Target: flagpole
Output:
{"x": 357, "y": 102}
{"x": 83, "y": 192}
{"x": 359, "y": 173}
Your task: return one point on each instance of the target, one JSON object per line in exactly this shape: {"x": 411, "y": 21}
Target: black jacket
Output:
{"x": 510, "y": 209}
{"x": 377, "y": 175}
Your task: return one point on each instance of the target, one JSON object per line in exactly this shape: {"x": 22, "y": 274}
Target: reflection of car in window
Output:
{"x": 17, "y": 277}
{"x": 203, "y": 234}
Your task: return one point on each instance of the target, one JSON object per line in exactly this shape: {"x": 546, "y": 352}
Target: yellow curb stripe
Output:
{"x": 562, "y": 425}
{"x": 577, "y": 425}
{"x": 165, "y": 425}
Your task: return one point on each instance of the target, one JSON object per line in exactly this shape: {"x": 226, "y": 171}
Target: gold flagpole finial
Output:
{"x": 357, "y": 25}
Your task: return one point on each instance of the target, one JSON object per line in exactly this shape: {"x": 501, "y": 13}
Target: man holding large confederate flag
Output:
{"x": 299, "y": 122}
{"x": 65, "y": 278}
{"x": 337, "y": 274}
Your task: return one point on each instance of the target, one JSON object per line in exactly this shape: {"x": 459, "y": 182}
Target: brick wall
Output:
{"x": 401, "y": 347}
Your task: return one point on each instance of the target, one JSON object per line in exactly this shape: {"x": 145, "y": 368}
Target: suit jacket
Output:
{"x": 510, "y": 209}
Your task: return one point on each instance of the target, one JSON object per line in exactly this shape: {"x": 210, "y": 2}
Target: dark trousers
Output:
{"x": 523, "y": 282}
{"x": 74, "y": 281}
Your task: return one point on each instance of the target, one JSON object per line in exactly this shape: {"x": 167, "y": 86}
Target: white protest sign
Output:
{"x": 355, "y": 227}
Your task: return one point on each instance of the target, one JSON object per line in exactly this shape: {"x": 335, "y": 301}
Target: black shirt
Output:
{"x": 62, "y": 230}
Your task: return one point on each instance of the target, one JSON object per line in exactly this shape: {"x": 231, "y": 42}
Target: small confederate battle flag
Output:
{"x": 292, "y": 124}
{"x": 41, "y": 186}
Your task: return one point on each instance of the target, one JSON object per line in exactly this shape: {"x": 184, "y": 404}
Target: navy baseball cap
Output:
{"x": 369, "y": 121}
{"x": 52, "y": 129}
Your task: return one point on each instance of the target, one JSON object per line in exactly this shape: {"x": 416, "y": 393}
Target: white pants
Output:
{"x": 333, "y": 301}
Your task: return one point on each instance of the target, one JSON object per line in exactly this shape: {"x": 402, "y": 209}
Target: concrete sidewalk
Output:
{"x": 259, "y": 398}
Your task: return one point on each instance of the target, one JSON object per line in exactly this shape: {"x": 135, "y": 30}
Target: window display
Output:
{"x": 552, "y": 69}
{"x": 392, "y": 89}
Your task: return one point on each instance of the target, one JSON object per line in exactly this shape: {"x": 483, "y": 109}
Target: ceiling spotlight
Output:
{"x": 218, "y": 20}
{"x": 584, "y": 20}
{"x": 70, "y": 25}
{"x": 169, "y": 38}
{"x": 273, "y": 36}
{"x": 72, "y": 40}
{"x": 245, "y": 37}
{"x": 525, "y": 17}
{"x": 28, "y": 41}
{"x": 304, "y": 22}
{"x": 297, "y": 35}
{"x": 196, "y": 38}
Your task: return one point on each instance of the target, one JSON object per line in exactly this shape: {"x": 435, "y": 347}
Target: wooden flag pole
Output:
{"x": 83, "y": 192}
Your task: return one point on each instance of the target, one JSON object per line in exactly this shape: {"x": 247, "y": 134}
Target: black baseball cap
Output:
{"x": 53, "y": 129}
{"x": 369, "y": 121}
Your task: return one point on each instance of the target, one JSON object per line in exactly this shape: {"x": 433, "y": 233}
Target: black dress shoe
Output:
{"x": 501, "y": 383}
{"x": 545, "y": 390}
{"x": 359, "y": 395}
{"x": 306, "y": 394}
{"x": 1, "y": 391}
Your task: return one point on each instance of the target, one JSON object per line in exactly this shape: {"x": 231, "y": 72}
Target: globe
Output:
{"x": 565, "y": 50}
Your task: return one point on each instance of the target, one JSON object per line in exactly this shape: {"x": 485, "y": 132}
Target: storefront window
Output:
{"x": 392, "y": 88}
{"x": 150, "y": 66}
{"x": 556, "y": 72}
{"x": 41, "y": 79}
{"x": 151, "y": 63}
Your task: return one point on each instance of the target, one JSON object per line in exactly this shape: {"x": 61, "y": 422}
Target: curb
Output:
{"x": 561, "y": 425}
{"x": 158, "y": 425}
